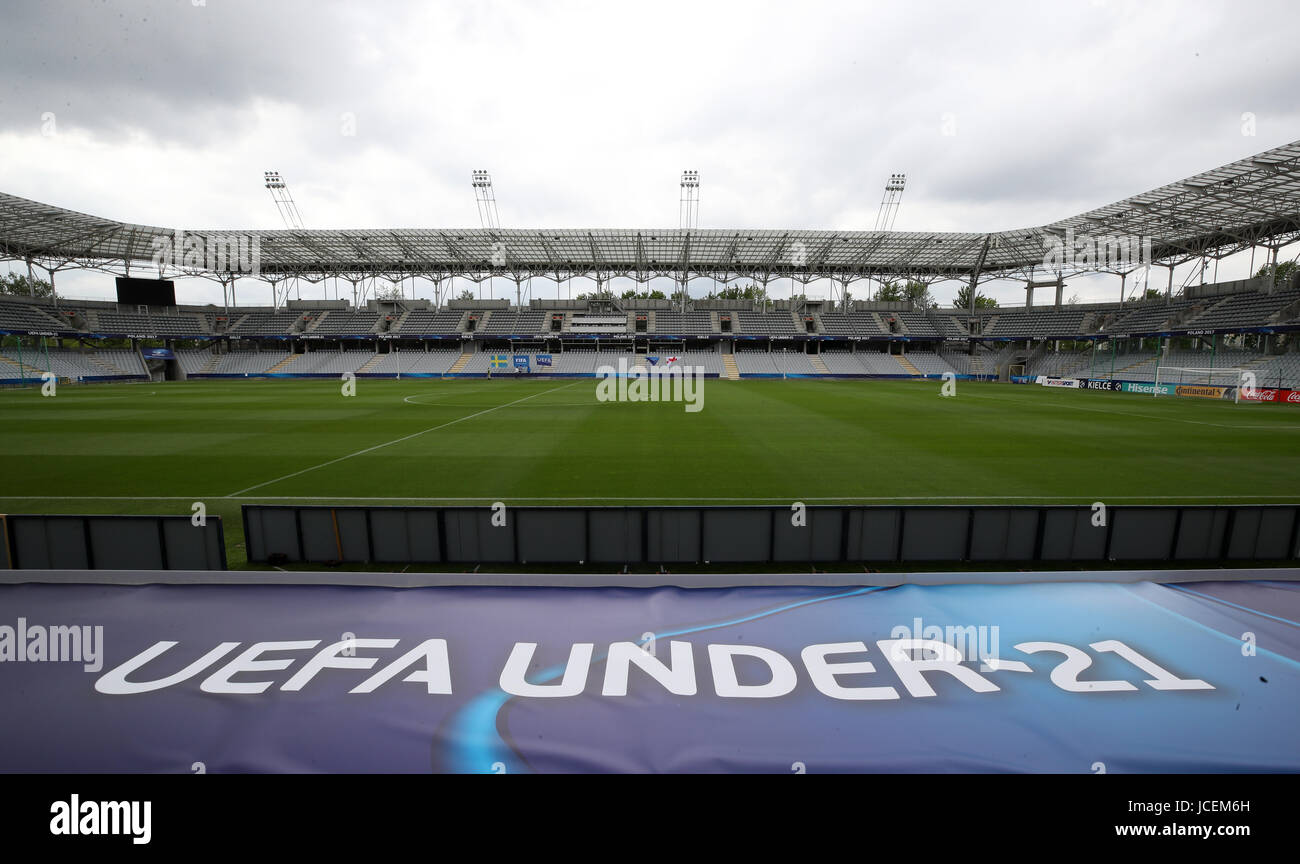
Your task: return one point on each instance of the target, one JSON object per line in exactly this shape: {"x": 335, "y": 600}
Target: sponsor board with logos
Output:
{"x": 1149, "y": 389}
{"x": 1265, "y": 394}
{"x": 1099, "y": 384}
{"x": 1047, "y": 381}
{"x": 1200, "y": 391}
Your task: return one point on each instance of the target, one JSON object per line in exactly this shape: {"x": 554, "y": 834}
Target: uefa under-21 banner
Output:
{"x": 1071, "y": 677}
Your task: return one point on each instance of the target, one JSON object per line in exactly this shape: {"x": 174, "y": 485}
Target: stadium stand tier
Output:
{"x": 1249, "y": 325}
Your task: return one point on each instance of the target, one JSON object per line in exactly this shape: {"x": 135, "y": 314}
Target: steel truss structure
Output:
{"x": 1254, "y": 202}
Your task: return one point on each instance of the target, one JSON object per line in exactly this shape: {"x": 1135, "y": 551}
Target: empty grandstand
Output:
{"x": 1250, "y": 326}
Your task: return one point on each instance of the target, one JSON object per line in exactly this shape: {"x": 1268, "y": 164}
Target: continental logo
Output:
{"x": 1202, "y": 392}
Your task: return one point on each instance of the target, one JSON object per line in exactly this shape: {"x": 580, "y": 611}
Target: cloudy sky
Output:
{"x": 1002, "y": 115}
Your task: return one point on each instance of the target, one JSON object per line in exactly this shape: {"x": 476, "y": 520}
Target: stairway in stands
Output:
{"x": 907, "y": 365}
{"x": 977, "y": 365}
{"x": 731, "y": 372}
{"x": 369, "y": 365}
{"x": 818, "y": 366}
{"x": 460, "y": 363}
{"x": 211, "y": 365}
{"x": 283, "y": 364}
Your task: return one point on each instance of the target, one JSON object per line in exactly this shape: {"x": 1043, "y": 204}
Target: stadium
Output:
{"x": 603, "y": 524}
{"x": 465, "y": 376}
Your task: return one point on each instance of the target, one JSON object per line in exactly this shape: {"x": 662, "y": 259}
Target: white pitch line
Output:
{"x": 494, "y": 498}
{"x": 398, "y": 440}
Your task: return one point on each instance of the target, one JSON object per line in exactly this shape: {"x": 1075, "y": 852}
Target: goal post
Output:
{"x": 1220, "y": 383}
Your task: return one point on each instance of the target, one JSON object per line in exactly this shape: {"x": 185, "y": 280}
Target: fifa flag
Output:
{"x": 543, "y": 359}
{"x": 521, "y": 361}
{"x": 498, "y": 361}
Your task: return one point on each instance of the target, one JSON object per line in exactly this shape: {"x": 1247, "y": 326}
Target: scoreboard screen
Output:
{"x": 146, "y": 292}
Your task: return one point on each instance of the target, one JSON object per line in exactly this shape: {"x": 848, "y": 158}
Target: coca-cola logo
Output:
{"x": 1293, "y": 396}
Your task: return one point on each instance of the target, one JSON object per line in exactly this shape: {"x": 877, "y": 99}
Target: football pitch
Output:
{"x": 158, "y": 448}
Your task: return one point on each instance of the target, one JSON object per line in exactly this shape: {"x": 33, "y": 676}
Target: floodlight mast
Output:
{"x": 688, "y": 208}
{"x": 486, "y": 200}
{"x": 283, "y": 200}
{"x": 292, "y": 219}
{"x": 688, "y": 216}
{"x": 890, "y": 203}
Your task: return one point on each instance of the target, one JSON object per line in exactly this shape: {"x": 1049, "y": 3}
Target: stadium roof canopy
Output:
{"x": 1254, "y": 201}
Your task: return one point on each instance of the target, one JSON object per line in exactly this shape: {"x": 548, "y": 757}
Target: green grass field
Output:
{"x": 157, "y": 448}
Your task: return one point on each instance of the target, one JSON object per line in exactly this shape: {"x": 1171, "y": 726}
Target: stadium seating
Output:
{"x": 248, "y": 362}
{"x": 841, "y": 362}
{"x": 174, "y": 325}
{"x": 684, "y": 323}
{"x": 429, "y": 322}
{"x": 263, "y": 323}
{"x": 1036, "y": 323}
{"x": 793, "y": 363}
{"x": 756, "y": 363}
{"x": 24, "y": 317}
{"x": 929, "y": 363}
{"x": 917, "y": 323}
{"x": 879, "y": 363}
{"x": 508, "y": 322}
{"x": 67, "y": 363}
{"x": 1243, "y": 310}
{"x": 851, "y": 324}
{"x": 339, "y": 323}
{"x": 412, "y": 362}
{"x": 771, "y": 324}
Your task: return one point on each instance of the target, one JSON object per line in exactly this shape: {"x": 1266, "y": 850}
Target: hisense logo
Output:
{"x": 76, "y": 817}
{"x": 666, "y": 381}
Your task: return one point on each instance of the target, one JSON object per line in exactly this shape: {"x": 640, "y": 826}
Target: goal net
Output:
{"x": 1221, "y": 383}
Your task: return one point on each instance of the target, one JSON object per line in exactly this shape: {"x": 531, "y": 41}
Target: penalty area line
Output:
{"x": 397, "y": 441}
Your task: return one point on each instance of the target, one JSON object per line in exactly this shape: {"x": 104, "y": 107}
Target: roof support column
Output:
{"x": 975, "y": 273}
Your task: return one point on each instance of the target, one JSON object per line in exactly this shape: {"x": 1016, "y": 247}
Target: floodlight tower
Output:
{"x": 688, "y": 215}
{"x": 283, "y": 200}
{"x": 688, "y": 208}
{"x": 889, "y": 204}
{"x": 486, "y": 199}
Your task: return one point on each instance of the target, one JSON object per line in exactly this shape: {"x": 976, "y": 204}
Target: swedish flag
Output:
{"x": 499, "y": 361}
